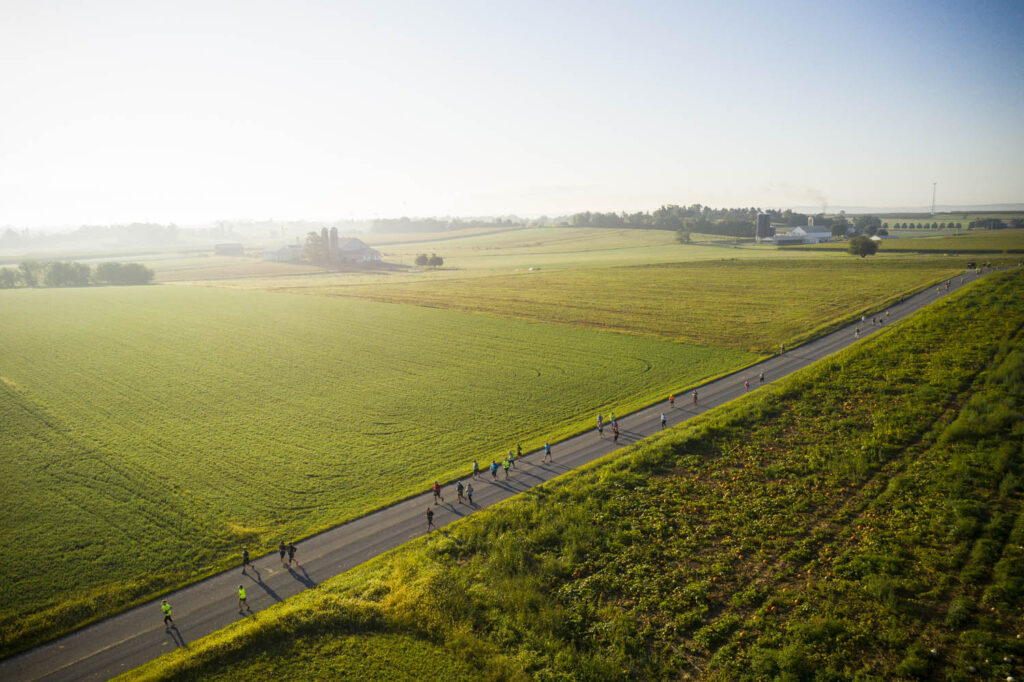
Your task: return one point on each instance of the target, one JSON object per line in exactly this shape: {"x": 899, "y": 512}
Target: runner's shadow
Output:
{"x": 553, "y": 468}
{"x": 270, "y": 592}
{"x": 304, "y": 578}
{"x": 503, "y": 485}
{"x": 176, "y": 637}
{"x": 529, "y": 475}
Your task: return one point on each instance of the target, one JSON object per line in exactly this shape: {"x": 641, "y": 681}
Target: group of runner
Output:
{"x": 611, "y": 420}
{"x": 283, "y": 549}
{"x": 464, "y": 493}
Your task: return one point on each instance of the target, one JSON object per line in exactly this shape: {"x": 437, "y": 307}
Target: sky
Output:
{"x": 190, "y": 112}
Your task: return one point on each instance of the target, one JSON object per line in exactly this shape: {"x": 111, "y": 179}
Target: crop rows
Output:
{"x": 747, "y": 304}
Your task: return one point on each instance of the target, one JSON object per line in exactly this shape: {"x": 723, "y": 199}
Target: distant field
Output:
{"x": 994, "y": 241}
{"x": 150, "y": 431}
{"x": 223, "y": 267}
{"x": 964, "y": 219}
{"x": 744, "y": 304}
{"x": 570, "y": 247}
{"x": 862, "y": 519}
{"x": 378, "y": 239}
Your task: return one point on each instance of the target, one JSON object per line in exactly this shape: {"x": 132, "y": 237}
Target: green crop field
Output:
{"x": 150, "y": 431}
{"x": 862, "y": 519}
{"x": 745, "y": 304}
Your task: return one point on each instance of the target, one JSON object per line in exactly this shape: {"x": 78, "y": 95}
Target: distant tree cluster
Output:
{"x": 433, "y": 260}
{"x": 863, "y": 246}
{"x": 730, "y": 222}
{"x": 72, "y": 274}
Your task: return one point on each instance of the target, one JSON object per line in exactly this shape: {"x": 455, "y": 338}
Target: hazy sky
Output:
{"x": 194, "y": 111}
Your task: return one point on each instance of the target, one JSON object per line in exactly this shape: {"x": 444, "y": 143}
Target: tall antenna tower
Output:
{"x": 933, "y": 197}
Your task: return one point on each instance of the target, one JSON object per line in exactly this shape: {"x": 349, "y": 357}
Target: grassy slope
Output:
{"x": 746, "y": 304}
{"x": 150, "y": 431}
{"x": 845, "y": 522}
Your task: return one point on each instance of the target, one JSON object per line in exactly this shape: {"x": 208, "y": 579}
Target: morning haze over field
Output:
{"x": 703, "y": 318}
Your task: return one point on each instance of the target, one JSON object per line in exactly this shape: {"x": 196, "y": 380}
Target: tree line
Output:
{"x": 73, "y": 274}
{"x": 983, "y": 224}
{"x": 728, "y": 222}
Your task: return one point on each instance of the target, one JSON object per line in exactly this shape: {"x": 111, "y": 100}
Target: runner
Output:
{"x": 783, "y": 349}
{"x": 886, "y": 313}
{"x": 695, "y": 397}
{"x": 241, "y": 600}
{"x": 615, "y": 430}
{"x": 547, "y": 453}
{"x": 430, "y": 519}
{"x": 476, "y": 469}
{"x": 291, "y": 553}
{"x": 856, "y": 333}
{"x": 511, "y": 459}
{"x": 437, "y": 492}
{"x": 664, "y": 420}
{"x": 505, "y": 465}
{"x": 600, "y": 430}
{"x": 761, "y": 378}
{"x": 519, "y": 450}
{"x": 469, "y": 493}
{"x": 746, "y": 385}
{"x": 166, "y": 608}
{"x": 672, "y": 400}
{"x": 600, "y": 421}
{"x": 458, "y": 491}
{"x": 245, "y": 559}
{"x": 281, "y": 550}
{"x": 494, "y": 470}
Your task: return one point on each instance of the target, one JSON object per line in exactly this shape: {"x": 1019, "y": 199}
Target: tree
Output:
{"x": 67, "y": 274}
{"x": 435, "y": 261}
{"x": 8, "y": 278}
{"x": 863, "y": 246}
{"x": 683, "y": 237}
{"x": 30, "y": 272}
{"x": 867, "y": 224}
{"x": 123, "y": 273}
{"x": 422, "y": 259}
{"x": 315, "y": 250}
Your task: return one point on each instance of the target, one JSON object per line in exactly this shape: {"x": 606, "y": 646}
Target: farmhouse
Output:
{"x": 811, "y": 234}
{"x": 352, "y": 250}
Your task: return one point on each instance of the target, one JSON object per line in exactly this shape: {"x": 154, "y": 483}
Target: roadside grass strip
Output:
{"x": 861, "y": 519}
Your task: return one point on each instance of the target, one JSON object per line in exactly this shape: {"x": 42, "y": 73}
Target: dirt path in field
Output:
{"x": 126, "y": 641}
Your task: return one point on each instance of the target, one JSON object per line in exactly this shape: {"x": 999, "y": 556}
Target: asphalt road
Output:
{"x": 120, "y": 643}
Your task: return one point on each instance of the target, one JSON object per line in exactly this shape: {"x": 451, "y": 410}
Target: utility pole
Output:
{"x": 933, "y": 198}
